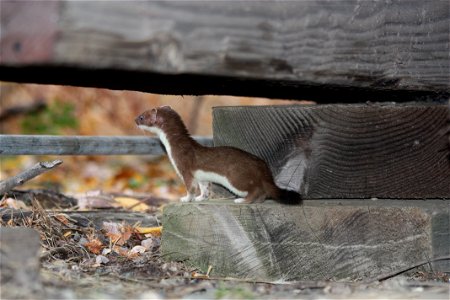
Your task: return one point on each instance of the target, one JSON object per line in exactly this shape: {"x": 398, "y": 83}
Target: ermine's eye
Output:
{"x": 141, "y": 118}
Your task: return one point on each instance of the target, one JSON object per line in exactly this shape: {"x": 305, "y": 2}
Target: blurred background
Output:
{"x": 64, "y": 110}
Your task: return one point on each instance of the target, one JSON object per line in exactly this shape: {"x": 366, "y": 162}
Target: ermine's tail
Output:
{"x": 282, "y": 196}
{"x": 289, "y": 197}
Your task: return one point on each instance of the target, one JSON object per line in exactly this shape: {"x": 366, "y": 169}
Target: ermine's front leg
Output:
{"x": 204, "y": 191}
{"x": 188, "y": 198}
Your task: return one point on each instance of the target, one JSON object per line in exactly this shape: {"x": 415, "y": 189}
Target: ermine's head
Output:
{"x": 157, "y": 119}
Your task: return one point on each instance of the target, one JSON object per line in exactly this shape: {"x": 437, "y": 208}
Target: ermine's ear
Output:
{"x": 153, "y": 115}
{"x": 159, "y": 119}
{"x": 166, "y": 107}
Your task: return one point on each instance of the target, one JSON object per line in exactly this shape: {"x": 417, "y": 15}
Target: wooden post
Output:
{"x": 345, "y": 151}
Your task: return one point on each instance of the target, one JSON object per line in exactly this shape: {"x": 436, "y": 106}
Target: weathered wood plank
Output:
{"x": 19, "y": 263}
{"x": 345, "y": 151}
{"x": 286, "y": 49}
{"x": 83, "y": 145}
{"x": 317, "y": 241}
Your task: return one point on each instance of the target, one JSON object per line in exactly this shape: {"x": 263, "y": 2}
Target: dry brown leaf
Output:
{"x": 119, "y": 234}
{"x": 62, "y": 218}
{"x": 115, "y": 238}
{"x": 94, "y": 245}
{"x": 126, "y": 232}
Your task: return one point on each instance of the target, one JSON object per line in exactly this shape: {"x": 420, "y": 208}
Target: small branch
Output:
{"x": 39, "y": 168}
{"x": 406, "y": 269}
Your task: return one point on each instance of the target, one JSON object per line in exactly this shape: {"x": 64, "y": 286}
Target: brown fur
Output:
{"x": 245, "y": 171}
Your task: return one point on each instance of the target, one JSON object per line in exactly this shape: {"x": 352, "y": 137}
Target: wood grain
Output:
{"x": 83, "y": 145}
{"x": 345, "y": 151}
{"x": 317, "y": 241}
{"x": 292, "y": 49}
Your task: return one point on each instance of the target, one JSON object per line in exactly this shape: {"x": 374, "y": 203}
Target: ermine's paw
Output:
{"x": 186, "y": 198}
{"x": 239, "y": 200}
{"x": 201, "y": 198}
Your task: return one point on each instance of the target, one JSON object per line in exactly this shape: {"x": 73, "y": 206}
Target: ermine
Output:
{"x": 245, "y": 175}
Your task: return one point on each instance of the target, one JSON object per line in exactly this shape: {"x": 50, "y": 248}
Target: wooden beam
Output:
{"x": 83, "y": 145}
{"x": 345, "y": 151}
{"x": 295, "y": 50}
{"x": 320, "y": 240}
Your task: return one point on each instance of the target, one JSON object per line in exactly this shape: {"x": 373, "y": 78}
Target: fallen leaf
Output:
{"x": 94, "y": 245}
{"x": 126, "y": 232}
{"x": 118, "y": 233}
{"x": 132, "y": 204}
{"x": 62, "y": 218}
{"x": 154, "y": 231}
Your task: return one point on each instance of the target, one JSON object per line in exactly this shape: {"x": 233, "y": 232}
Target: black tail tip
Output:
{"x": 290, "y": 197}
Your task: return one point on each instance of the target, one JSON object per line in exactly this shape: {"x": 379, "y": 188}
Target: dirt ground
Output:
{"x": 59, "y": 282}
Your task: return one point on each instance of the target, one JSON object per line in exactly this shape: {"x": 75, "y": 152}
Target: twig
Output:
{"x": 406, "y": 269}
{"x": 39, "y": 168}
{"x": 22, "y": 110}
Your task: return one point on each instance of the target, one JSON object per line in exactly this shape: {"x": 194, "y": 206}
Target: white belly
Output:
{"x": 200, "y": 175}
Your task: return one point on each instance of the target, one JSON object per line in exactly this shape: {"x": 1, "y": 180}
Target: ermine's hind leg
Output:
{"x": 255, "y": 196}
{"x": 204, "y": 191}
{"x": 191, "y": 186}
